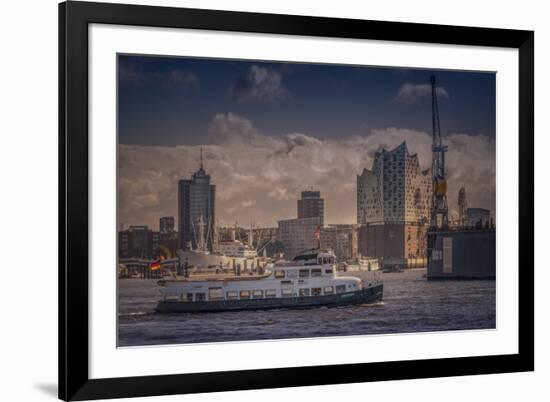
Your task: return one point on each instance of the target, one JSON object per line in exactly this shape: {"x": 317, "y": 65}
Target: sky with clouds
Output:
{"x": 270, "y": 130}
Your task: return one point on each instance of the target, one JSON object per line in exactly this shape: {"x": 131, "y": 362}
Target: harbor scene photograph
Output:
{"x": 263, "y": 200}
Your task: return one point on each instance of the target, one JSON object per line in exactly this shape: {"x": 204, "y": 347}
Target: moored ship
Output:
{"x": 309, "y": 280}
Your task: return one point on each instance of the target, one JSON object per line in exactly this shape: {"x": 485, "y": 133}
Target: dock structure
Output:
{"x": 462, "y": 253}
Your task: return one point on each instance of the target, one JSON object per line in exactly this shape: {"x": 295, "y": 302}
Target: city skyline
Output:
{"x": 260, "y": 166}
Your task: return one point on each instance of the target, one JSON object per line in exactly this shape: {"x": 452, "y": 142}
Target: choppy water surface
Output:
{"x": 411, "y": 304}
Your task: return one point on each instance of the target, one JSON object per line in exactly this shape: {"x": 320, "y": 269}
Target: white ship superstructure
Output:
{"x": 236, "y": 248}
{"x": 309, "y": 279}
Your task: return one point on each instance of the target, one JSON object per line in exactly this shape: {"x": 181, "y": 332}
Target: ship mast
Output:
{"x": 251, "y": 237}
{"x": 202, "y": 243}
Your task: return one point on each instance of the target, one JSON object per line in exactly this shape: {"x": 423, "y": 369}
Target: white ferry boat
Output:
{"x": 309, "y": 280}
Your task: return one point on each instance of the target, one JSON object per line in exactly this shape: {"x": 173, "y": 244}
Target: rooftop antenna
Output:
{"x": 201, "y": 160}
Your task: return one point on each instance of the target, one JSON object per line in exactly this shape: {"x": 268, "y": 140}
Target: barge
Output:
{"x": 462, "y": 253}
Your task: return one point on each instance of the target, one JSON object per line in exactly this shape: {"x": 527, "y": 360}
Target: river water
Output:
{"x": 410, "y": 304}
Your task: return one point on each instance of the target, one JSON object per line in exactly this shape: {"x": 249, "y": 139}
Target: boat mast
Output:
{"x": 201, "y": 242}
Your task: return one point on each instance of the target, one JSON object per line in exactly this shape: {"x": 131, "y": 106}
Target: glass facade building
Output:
{"x": 196, "y": 212}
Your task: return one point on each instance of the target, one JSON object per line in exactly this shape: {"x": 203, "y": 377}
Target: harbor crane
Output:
{"x": 439, "y": 213}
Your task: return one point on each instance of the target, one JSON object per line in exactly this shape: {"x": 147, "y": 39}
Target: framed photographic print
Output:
{"x": 257, "y": 201}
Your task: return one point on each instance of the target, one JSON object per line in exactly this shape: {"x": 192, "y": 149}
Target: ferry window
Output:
{"x": 279, "y": 273}
{"x": 215, "y": 294}
{"x": 328, "y": 271}
{"x": 232, "y": 295}
{"x": 291, "y": 274}
{"x": 270, "y": 293}
{"x": 189, "y": 297}
{"x": 340, "y": 288}
{"x": 200, "y": 296}
{"x": 304, "y": 292}
{"x": 286, "y": 292}
{"x": 245, "y": 294}
{"x": 316, "y": 272}
{"x": 304, "y": 273}
{"x": 305, "y": 257}
{"x": 257, "y": 294}
{"x": 316, "y": 292}
{"x": 328, "y": 290}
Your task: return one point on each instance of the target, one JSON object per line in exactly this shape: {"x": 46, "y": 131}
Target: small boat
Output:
{"x": 393, "y": 269}
{"x": 309, "y": 280}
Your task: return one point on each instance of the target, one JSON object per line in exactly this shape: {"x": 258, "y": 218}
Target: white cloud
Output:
{"x": 410, "y": 92}
{"x": 259, "y": 84}
{"x": 279, "y": 193}
{"x": 228, "y": 127}
{"x": 259, "y": 177}
{"x": 248, "y": 203}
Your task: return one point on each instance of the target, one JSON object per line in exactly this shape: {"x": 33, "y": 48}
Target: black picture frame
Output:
{"x": 74, "y": 18}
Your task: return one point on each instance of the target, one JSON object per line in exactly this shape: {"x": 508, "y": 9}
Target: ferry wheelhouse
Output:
{"x": 309, "y": 280}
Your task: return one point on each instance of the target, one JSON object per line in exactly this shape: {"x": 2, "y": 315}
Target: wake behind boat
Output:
{"x": 309, "y": 280}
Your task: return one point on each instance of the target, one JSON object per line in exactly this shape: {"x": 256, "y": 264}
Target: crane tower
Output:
{"x": 439, "y": 215}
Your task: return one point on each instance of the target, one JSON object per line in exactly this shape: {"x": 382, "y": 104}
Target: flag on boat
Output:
{"x": 155, "y": 265}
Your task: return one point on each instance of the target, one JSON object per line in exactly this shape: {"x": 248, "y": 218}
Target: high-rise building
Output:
{"x": 298, "y": 235}
{"x": 196, "y": 211}
{"x": 138, "y": 242}
{"x": 166, "y": 224}
{"x": 311, "y": 205}
{"x": 393, "y": 205}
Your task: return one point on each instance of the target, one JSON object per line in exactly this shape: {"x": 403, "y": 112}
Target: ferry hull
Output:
{"x": 370, "y": 294}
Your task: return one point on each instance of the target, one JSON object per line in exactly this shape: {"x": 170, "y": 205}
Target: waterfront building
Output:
{"x": 311, "y": 205}
{"x": 393, "y": 206}
{"x": 138, "y": 242}
{"x": 167, "y": 224}
{"x": 196, "y": 211}
{"x": 478, "y": 217}
{"x": 393, "y": 242}
{"x": 297, "y": 235}
{"x": 328, "y": 238}
{"x": 169, "y": 240}
{"x": 340, "y": 239}
{"x": 168, "y": 234}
